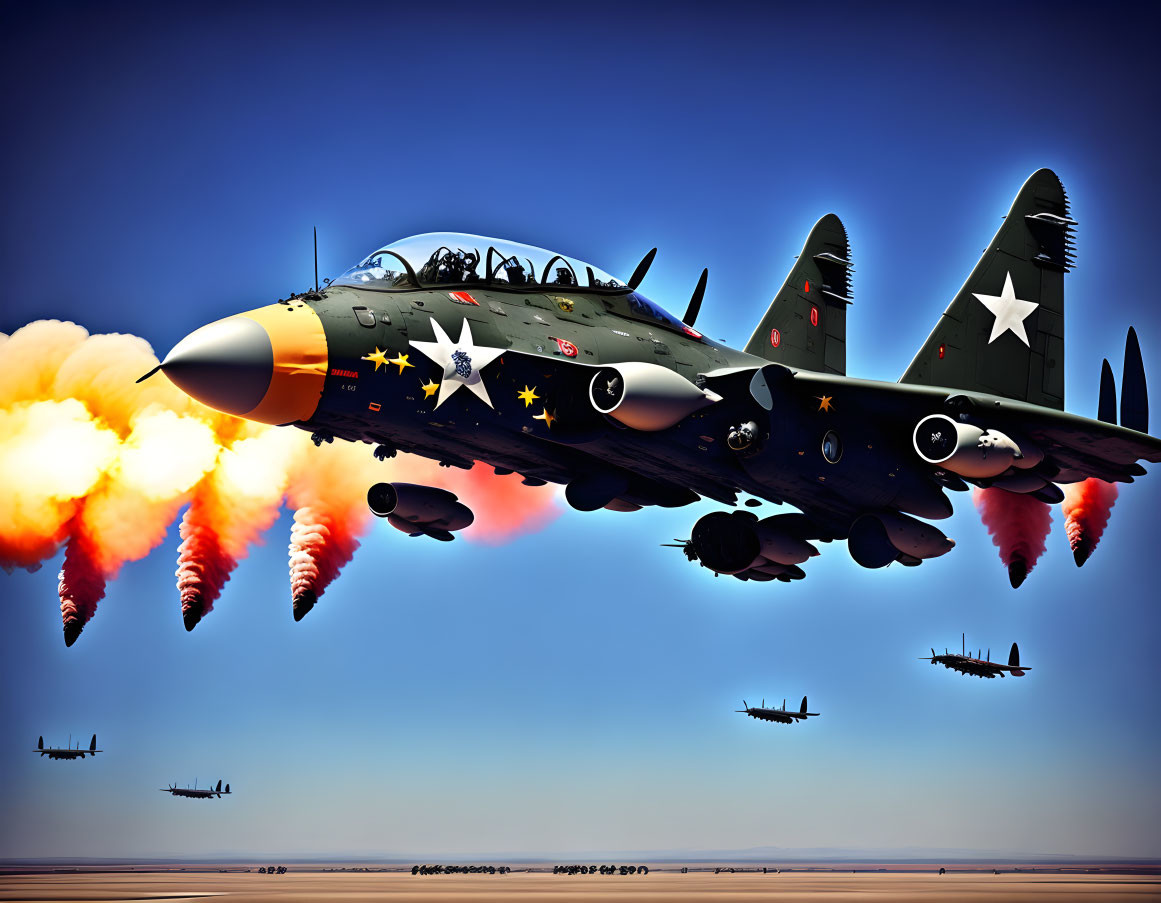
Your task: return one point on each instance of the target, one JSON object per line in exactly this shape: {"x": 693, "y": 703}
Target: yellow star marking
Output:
{"x": 545, "y": 416}
{"x": 528, "y": 395}
{"x": 401, "y": 362}
{"x": 824, "y": 402}
{"x": 379, "y": 357}
{"x": 429, "y": 388}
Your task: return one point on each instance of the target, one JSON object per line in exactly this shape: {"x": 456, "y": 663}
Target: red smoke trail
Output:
{"x": 1087, "y": 506}
{"x": 503, "y": 506}
{"x": 203, "y": 566}
{"x": 1019, "y": 526}
{"x": 81, "y": 587}
{"x": 320, "y": 544}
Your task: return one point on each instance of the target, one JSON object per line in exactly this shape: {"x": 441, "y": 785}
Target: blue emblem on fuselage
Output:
{"x": 463, "y": 363}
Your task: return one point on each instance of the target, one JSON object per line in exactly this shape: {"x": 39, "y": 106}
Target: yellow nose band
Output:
{"x": 300, "y": 362}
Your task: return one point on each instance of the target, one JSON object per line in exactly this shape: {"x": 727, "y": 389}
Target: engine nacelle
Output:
{"x": 417, "y": 509}
{"x": 646, "y": 397}
{"x": 876, "y": 540}
{"x": 731, "y": 542}
{"x": 962, "y": 448}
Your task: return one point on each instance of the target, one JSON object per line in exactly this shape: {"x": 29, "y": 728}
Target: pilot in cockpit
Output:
{"x": 446, "y": 265}
{"x": 514, "y": 272}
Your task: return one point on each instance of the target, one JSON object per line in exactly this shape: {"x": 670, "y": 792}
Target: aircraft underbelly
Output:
{"x": 530, "y": 412}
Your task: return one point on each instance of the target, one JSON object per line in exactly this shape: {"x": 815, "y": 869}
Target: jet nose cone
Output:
{"x": 268, "y": 365}
{"x": 227, "y": 365}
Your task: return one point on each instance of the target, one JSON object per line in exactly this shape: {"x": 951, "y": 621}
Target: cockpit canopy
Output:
{"x": 456, "y": 258}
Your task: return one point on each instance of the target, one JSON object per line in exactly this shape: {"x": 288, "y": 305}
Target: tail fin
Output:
{"x": 93, "y": 744}
{"x": 1014, "y": 657}
{"x": 219, "y": 790}
{"x": 806, "y": 324}
{"x": 1107, "y": 400}
{"x": 227, "y": 790}
{"x": 1134, "y": 394}
{"x": 802, "y": 710}
{"x": 1004, "y": 332}
{"x": 40, "y": 743}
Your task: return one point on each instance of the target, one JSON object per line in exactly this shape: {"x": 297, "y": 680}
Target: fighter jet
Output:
{"x": 195, "y": 793}
{"x": 468, "y": 349}
{"x": 68, "y": 752}
{"x": 980, "y": 666}
{"x": 780, "y": 715}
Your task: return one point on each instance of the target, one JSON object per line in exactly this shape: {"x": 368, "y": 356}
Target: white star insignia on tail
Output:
{"x": 1010, "y": 312}
{"x": 462, "y": 362}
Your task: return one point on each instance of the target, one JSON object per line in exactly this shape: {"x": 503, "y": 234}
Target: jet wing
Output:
{"x": 1075, "y": 447}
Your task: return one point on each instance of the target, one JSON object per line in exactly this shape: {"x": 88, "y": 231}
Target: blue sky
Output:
{"x": 574, "y": 690}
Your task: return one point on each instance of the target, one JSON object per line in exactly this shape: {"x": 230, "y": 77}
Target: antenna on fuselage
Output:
{"x": 694, "y": 307}
{"x": 316, "y": 258}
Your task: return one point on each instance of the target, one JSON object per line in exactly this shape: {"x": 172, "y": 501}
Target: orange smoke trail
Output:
{"x": 203, "y": 567}
{"x": 81, "y": 586}
{"x": 52, "y": 455}
{"x": 1019, "y": 525}
{"x": 91, "y": 458}
{"x": 1087, "y": 506}
{"x": 328, "y": 490}
{"x": 230, "y": 509}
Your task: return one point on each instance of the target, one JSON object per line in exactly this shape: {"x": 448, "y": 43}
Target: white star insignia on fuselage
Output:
{"x": 1010, "y": 312}
{"x": 458, "y": 358}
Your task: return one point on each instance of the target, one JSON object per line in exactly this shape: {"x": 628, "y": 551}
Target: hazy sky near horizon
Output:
{"x": 574, "y": 689}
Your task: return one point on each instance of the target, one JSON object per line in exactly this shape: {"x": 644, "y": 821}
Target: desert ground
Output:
{"x": 310, "y": 884}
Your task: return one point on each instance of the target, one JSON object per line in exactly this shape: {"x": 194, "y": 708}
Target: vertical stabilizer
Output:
{"x": 1134, "y": 393}
{"x": 802, "y": 710}
{"x": 93, "y": 744}
{"x": 1014, "y": 656}
{"x": 1003, "y": 333}
{"x": 1107, "y": 400}
{"x": 805, "y": 326}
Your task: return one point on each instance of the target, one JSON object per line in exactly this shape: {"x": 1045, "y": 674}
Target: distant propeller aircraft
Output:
{"x": 195, "y": 792}
{"x": 468, "y": 349}
{"x": 980, "y": 666}
{"x": 68, "y": 752}
{"x": 780, "y": 715}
